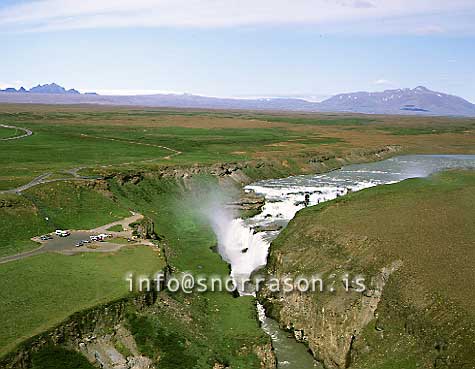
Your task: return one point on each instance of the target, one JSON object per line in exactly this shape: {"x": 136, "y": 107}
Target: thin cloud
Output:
{"x": 50, "y": 15}
{"x": 429, "y": 30}
{"x": 363, "y": 4}
{"x": 382, "y": 82}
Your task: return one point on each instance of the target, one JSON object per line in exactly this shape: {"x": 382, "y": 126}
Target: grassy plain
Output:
{"x": 116, "y": 228}
{"x": 19, "y": 222}
{"x": 67, "y": 137}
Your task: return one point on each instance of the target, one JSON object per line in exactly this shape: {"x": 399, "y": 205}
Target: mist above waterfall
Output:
{"x": 238, "y": 245}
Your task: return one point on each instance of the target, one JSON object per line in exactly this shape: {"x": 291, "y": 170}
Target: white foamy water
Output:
{"x": 246, "y": 250}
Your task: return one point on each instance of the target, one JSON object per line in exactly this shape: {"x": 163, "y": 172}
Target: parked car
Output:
{"x": 79, "y": 244}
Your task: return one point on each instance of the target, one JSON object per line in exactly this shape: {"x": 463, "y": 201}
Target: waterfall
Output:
{"x": 243, "y": 249}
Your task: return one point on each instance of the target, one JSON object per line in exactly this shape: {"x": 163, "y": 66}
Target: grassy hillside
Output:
{"x": 72, "y": 205}
{"x": 20, "y": 220}
{"x": 43, "y": 290}
{"x": 218, "y": 327}
{"x": 426, "y": 314}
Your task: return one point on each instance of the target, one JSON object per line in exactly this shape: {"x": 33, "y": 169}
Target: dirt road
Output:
{"x": 26, "y": 134}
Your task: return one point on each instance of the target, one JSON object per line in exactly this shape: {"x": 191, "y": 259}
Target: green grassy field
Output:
{"x": 53, "y": 148}
{"x": 106, "y": 139}
{"x": 116, "y": 228}
{"x": 427, "y": 308}
{"x": 43, "y": 290}
{"x": 70, "y": 205}
{"x": 9, "y": 132}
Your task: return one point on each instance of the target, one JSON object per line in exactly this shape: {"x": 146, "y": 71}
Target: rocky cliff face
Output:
{"x": 328, "y": 321}
{"x": 243, "y": 173}
{"x": 327, "y": 324}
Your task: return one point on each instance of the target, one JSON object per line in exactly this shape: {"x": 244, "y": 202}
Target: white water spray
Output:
{"x": 238, "y": 244}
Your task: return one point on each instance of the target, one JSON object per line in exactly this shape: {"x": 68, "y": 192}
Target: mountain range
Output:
{"x": 51, "y": 88}
{"x": 419, "y": 100}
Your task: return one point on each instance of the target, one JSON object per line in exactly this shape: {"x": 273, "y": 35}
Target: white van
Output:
{"x": 61, "y": 233}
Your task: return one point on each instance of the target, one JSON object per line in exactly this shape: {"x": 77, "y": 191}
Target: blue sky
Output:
{"x": 304, "y": 48}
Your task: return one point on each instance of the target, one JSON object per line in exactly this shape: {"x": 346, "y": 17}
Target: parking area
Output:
{"x": 65, "y": 243}
{"x": 74, "y": 243}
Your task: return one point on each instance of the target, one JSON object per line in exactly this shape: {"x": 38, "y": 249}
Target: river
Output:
{"x": 243, "y": 244}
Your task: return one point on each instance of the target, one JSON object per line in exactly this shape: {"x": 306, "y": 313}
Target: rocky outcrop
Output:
{"x": 114, "y": 350}
{"x": 145, "y": 229}
{"x": 266, "y": 355}
{"x": 247, "y": 204}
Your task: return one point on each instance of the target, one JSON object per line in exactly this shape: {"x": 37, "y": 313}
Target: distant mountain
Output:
{"x": 419, "y": 100}
{"x": 51, "y": 88}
